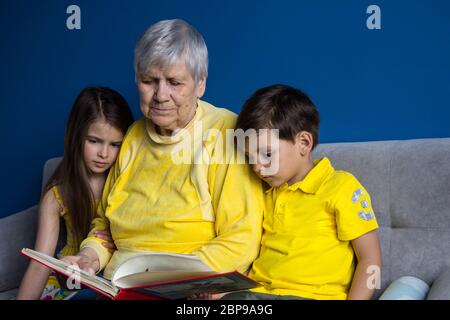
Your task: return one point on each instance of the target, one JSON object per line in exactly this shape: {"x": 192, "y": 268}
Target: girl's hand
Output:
{"x": 106, "y": 235}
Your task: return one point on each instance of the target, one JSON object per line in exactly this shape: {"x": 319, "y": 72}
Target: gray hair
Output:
{"x": 166, "y": 42}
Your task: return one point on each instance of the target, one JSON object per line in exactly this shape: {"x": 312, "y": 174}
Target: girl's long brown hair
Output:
{"x": 71, "y": 175}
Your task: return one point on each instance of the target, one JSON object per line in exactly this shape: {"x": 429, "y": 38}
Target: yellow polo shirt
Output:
{"x": 307, "y": 229}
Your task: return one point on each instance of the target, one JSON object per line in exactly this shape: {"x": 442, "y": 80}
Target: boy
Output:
{"x": 319, "y": 239}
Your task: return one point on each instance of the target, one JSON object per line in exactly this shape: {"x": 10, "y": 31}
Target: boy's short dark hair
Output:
{"x": 280, "y": 107}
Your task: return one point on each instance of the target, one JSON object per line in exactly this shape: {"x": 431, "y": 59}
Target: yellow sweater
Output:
{"x": 152, "y": 202}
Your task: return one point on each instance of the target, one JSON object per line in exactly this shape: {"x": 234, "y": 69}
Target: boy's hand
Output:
{"x": 106, "y": 235}
{"x": 206, "y": 296}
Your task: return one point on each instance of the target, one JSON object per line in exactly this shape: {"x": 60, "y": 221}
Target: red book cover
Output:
{"x": 152, "y": 276}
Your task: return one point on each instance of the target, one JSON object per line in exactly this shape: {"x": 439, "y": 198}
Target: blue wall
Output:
{"x": 383, "y": 84}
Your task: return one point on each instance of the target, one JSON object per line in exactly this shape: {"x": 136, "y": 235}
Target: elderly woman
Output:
{"x": 209, "y": 206}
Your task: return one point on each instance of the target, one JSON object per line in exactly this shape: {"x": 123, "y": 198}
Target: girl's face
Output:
{"x": 101, "y": 146}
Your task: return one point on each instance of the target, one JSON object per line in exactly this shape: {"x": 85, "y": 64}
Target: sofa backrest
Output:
{"x": 49, "y": 167}
{"x": 409, "y": 182}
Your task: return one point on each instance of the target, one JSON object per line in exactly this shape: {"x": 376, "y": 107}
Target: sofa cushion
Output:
{"x": 419, "y": 252}
{"x": 440, "y": 290}
{"x": 8, "y": 295}
{"x": 16, "y": 232}
{"x": 420, "y": 184}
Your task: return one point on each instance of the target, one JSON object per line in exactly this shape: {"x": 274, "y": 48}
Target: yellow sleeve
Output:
{"x": 101, "y": 222}
{"x": 237, "y": 200}
{"x": 354, "y": 213}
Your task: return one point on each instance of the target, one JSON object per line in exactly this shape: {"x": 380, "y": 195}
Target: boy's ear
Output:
{"x": 305, "y": 141}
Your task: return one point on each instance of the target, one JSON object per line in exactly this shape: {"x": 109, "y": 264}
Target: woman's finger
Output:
{"x": 102, "y": 234}
{"x": 109, "y": 245}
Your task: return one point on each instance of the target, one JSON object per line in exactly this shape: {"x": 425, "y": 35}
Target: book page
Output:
{"x": 156, "y": 267}
{"x": 68, "y": 270}
{"x": 137, "y": 279}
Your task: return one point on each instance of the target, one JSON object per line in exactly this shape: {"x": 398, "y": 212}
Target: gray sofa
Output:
{"x": 409, "y": 182}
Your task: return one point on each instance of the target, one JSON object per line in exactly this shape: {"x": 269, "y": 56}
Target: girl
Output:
{"x": 97, "y": 124}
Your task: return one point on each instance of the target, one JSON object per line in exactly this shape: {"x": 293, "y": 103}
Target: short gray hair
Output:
{"x": 166, "y": 42}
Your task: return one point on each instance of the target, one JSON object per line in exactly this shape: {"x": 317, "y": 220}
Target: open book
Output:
{"x": 154, "y": 275}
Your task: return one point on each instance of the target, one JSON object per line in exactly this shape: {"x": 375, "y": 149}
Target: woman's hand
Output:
{"x": 106, "y": 235}
{"x": 86, "y": 260}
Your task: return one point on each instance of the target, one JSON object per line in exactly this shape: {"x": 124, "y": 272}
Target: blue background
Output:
{"x": 383, "y": 84}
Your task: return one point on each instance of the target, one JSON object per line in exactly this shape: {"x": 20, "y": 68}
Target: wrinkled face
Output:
{"x": 276, "y": 161}
{"x": 101, "y": 146}
{"x": 168, "y": 96}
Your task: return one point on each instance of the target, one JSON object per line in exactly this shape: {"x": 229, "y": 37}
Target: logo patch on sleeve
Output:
{"x": 366, "y": 215}
{"x": 355, "y": 197}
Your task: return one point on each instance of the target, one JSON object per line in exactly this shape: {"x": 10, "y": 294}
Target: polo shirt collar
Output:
{"x": 314, "y": 179}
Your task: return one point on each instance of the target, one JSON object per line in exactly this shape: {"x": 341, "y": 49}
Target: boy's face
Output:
{"x": 274, "y": 160}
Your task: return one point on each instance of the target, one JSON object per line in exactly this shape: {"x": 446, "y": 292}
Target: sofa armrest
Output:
{"x": 440, "y": 289}
{"x": 16, "y": 232}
